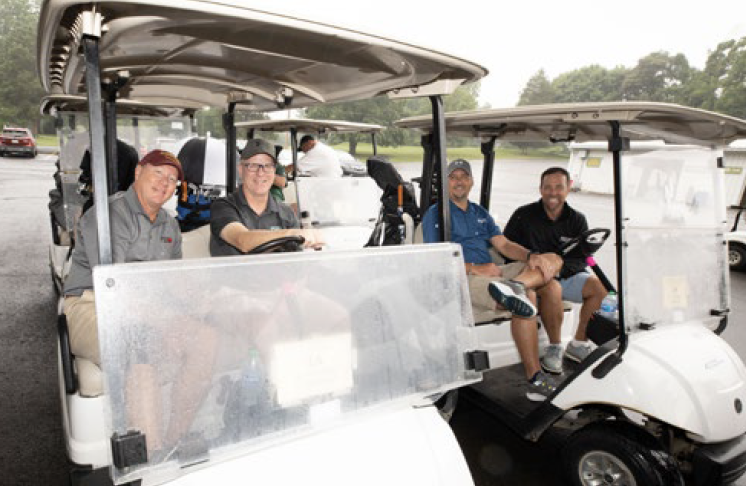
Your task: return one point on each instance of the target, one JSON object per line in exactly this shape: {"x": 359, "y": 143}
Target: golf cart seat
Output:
{"x": 196, "y": 243}
{"x": 90, "y": 378}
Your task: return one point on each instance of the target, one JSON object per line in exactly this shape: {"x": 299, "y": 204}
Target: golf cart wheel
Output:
{"x": 736, "y": 256}
{"x": 617, "y": 454}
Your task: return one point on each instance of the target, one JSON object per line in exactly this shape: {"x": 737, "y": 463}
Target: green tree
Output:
{"x": 590, "y": 83}
{"x": 658, "y": 77}
{"x": 20, "y": 90}
{"x": 724, "y": 79}
{"x": 538, "y": 90}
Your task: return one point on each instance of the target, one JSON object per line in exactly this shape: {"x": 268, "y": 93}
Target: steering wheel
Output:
{"x": 283, "y": 243}
{"x": 585, "y": 244}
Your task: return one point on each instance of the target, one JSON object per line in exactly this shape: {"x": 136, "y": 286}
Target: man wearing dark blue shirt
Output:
{"x": 510, "y": 286}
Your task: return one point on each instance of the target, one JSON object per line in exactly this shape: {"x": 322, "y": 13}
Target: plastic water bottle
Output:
{"x": 252, "y": 380}
{"x": 609, "y": 306}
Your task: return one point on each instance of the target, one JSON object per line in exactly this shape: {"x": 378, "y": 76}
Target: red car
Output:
{"x": 17, "y": 141}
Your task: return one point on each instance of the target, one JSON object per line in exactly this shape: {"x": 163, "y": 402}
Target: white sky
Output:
{"x": 515, "y": 39}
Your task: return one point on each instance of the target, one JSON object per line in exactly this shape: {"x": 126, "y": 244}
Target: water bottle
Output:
{"x": 252, "y": 379}
{"x": 609, "y": 306}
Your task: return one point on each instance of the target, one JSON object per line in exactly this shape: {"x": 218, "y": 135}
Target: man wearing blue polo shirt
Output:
{"x": 512, "y": 287}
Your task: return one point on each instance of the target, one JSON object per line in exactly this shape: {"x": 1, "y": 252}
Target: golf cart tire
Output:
{"x": 622, "y": 449}
{"x": 737, "y": 256}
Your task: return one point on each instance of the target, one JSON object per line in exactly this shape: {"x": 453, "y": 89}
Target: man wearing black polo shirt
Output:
{"x": 249, "y": 217}
{"x": 544, "y": 226}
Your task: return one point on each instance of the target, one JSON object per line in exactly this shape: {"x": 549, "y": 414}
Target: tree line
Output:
{"x": 660, "y": 76}
{"x": 720, "y": 86}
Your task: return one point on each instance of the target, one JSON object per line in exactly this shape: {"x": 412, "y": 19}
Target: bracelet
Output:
{"x": 528, "y": 255}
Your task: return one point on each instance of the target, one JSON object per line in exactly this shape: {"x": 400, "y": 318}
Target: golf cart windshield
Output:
{"x": 308, "y": 341}
{"x": 143, "y": 131}
{"x": 676, "y": 269}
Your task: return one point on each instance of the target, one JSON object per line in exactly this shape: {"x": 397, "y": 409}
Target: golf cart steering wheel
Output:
{"x": 585, "y": 244}
{"x": 284, "y": 244}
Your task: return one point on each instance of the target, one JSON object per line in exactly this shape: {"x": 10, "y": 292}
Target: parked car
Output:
{"x": 17, "y": 141}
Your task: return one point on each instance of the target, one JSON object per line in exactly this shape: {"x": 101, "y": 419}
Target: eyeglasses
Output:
{"x": 161, "y": 175}
{"x": 255, "y": 167}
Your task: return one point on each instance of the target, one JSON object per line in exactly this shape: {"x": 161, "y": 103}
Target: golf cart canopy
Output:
{"x": 591, "y": 121}
{"x": 205, "y": 53}
{"x": 309, "y": 125}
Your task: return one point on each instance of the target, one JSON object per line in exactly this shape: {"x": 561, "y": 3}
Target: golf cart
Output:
{"x": 294, "y": 126}
{"x": 737, "y": 244}
{"x": 138, "y": 125}
{"x": 662, "y": 395}
{"x": 346, "y": 207}
{"x": 313, "y": 363}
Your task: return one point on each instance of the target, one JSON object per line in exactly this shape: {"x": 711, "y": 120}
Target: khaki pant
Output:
{"x": 81, "y": 323}
{"x": 482, "y": 303}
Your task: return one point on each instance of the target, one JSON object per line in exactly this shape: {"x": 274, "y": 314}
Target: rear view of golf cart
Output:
{"x": 662, "y": 398}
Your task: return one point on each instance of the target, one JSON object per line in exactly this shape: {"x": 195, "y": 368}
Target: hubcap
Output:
{"x": 599, "y": 468}
{"x": 734, "y": 258}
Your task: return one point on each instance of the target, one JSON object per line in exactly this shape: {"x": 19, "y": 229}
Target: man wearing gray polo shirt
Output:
{"x": 140, "y": 231}
{"x": 249, "y": 217}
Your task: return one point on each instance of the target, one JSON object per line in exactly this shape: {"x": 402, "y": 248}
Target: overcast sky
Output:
{"x": 515, "y": 39}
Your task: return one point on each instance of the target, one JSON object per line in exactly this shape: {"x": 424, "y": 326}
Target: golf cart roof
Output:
{"x": 79, "y": 104}
{"x": 590, "y": 121}
{"x": 198, "y": 53}
{"x": 309, "y": 125}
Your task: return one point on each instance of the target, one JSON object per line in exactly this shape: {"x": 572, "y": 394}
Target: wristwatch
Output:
{"x": 528, "y": 255}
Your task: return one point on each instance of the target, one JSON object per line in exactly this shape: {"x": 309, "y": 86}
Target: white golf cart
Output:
{"x": 737, "y": 244}
{"x": 317, "y": 367}
{"x": 662, "y": 394}
{"x": 138, "y": 125}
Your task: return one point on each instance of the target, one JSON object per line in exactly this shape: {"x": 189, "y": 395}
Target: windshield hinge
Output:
{"x": 129, "y": 449}
{"x": 477, "y": 360}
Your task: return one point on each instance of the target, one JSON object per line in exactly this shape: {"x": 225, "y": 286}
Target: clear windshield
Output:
{"x": 676, "y": 269}
{"x": 143, "y": 133}
{"x": 213, "y": 358}
{"x": 345, "y": 201}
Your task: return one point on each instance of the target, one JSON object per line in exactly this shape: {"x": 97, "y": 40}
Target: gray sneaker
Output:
{"x": 577, "y": 352}
{"x": 541, "y": 387}
{"x": 512, "y": 296}
{"x": 551, "y": 362}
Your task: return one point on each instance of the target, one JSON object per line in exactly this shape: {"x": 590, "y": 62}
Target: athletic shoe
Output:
{"x": 540, "y": 387}
{"x": 551, "y": 362}
{"x": 512, "y": 297}
{"x": 577, "y": 352}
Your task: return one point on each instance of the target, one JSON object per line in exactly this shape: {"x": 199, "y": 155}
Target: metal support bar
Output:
{"x": 294, "y": 153}
{"x": 110, "y": 141}
{"x": 426, "y": 182}
{"x": 98, "y": 152}
{"x": 439, "y": 162}
{"x": 374, "y": 142}
{"x": 488, "y": 152}
{"x": 230, "y": 146}
{"x": 136, "y": 129}
{"x": 617, "y": 144}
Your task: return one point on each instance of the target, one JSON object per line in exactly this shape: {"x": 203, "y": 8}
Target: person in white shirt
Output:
{"x": 319, "y": 160}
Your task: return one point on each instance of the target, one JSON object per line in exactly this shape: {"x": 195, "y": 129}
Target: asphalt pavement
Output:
{"x": 31, "y": 447}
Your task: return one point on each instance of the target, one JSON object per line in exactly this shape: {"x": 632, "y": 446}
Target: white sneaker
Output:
{"x": 511, "y": 296}
{"x": 577, "y": 352}
{"x": 551, "y": 362}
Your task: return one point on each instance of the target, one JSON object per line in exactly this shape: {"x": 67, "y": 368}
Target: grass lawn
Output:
{"x": 47, "y": 141}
